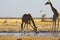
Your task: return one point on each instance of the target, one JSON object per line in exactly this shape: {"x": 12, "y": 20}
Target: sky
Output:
{"x": 16, "y": 8}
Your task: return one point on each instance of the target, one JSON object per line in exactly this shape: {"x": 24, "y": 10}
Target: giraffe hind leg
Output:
{"x": 58, "y": 22}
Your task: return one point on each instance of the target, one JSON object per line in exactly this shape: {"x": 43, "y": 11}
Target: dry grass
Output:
{"x": 14, "y": 25}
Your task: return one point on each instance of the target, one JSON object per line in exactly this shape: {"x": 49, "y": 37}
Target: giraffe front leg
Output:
{"x": 55, "y": 26}
{"x": 22, "y": 29}
{"x": 35, "y": 30}
{"x": 31, "y": 26}
{"x": 27, "y": 27}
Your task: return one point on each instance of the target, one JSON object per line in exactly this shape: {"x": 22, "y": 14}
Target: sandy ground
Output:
{"x": 28, "y": 38}
{"x": 39, "y": 38}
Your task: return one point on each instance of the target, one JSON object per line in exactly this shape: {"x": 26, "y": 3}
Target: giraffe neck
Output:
{"x": 51, "y": 6}
{"x": 33, "y": 23}
{"x": 53, "y": 9}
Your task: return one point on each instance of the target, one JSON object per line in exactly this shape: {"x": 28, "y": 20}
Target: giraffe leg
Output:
{"x": 35, "y": 28}
{"x": 58, "y": 22}
{"x": 22, "y": 27}
{"x": 27, "y": 29}
{"x": 55, "y": 26}
{"x": 27, "y": 26}
{"x": 31, "y": 25}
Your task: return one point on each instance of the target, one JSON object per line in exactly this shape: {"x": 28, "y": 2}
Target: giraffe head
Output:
{"x": 47, "y": 2}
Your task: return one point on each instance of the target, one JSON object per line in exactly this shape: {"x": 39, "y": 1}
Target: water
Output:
{"x": 31, "y": 34}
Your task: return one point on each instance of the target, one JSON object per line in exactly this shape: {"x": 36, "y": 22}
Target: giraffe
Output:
{"x": 27, "y": 19}
{"x": 55, "y": 15}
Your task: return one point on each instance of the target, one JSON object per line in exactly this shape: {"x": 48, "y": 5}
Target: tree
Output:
{"x": 43, "y": 17}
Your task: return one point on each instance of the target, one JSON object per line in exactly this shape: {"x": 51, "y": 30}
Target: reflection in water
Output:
{"x": 31, "y": 34}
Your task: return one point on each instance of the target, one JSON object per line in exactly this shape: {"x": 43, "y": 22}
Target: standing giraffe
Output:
{"x": 27, "y": 19}
{"x": 55, "y": 15}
